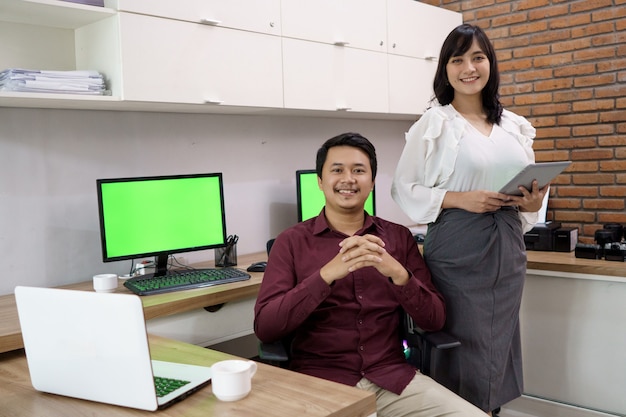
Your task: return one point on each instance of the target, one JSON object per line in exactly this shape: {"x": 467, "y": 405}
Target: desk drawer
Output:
{"x": 203, "y": 328}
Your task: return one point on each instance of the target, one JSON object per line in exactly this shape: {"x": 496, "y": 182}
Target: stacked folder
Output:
{"x": 41, "y": 81}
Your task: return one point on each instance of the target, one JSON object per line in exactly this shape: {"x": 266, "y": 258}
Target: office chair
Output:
{"x": 418, "y": 344}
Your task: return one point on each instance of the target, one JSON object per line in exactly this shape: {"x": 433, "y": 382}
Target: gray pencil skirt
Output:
{"x": 478, "y": 262}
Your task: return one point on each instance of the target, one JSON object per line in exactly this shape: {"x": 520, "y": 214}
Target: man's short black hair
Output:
{"x": 347, "y": 139}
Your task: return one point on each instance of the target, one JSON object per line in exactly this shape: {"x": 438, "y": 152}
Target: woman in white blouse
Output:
{"x": 456, "y": 158}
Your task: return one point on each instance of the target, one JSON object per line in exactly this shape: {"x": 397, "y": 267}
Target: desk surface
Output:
{"x": 177, "y": 302}
{"x": 276, "y": 392}
{"x": 158, "y": 305}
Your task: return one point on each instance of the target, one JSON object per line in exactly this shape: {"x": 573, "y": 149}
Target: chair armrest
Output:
{"x": 273, "y": 352}
{"x": 423, "y": 342}
{"x": 439, "y": 340}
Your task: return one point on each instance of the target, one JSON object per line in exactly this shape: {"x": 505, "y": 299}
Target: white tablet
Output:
{"x": 543, "y": 172}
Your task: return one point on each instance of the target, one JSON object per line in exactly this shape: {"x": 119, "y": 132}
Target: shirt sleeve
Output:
{"x": 283, "y": 303}
{"x": 419, "y": 297}
{"x": 426, "y": 163}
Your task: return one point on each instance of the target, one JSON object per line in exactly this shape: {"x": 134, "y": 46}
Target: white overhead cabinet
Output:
{"x": 262, "y": 16}
{"x": 372, "y": 58}
{"x": 416, "y": 32}
{"x": 336, "y": 78}
{"x": 333, "y": 55}
{"x": 354, "y": 23}
{"x": 174, "y": 61}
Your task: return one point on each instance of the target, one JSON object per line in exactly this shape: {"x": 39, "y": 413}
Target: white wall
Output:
{"x": 50, "y": 160}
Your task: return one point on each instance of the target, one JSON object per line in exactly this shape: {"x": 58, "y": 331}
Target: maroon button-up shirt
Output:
{"x": 350, "y": 329}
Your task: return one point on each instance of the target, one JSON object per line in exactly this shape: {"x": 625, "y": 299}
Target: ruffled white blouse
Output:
{"x": 444, "y": 152}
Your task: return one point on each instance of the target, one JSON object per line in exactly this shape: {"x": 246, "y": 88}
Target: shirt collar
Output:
{"x": 320, "y": 224}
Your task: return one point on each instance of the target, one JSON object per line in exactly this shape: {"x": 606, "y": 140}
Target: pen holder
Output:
{"x": 226, "y": 255}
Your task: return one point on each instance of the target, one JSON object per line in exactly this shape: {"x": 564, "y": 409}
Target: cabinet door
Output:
{"x": 327, "y": 77}
{"x": 410, "y": 84}
{"x": 417, "y": 29}
{"x": 167, "y": 60}
{"x": 261, "y": 16}
{"x": 356, "y": 23}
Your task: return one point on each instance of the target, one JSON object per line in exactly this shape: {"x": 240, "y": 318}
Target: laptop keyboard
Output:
{"x": 184, "y": 280}
{"x": 166, "y": 385}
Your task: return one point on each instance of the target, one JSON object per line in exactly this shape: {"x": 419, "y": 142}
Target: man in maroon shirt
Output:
{"x": 338, "y": 284}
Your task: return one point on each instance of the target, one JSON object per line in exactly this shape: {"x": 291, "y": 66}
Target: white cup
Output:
{"x": 105, "y": 282}
{"x": 232, "y": 379}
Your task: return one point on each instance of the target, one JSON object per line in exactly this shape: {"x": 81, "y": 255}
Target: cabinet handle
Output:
{"x": 430, "y": 58}
{"x": 211, "y": 22}
{"x": 344, "y": 108}
{"x": 209, "y": 101}
{"x": 341, "y": 43}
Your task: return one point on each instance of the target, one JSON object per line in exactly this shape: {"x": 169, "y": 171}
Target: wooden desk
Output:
{"x": 159, "y": 305}
{"x": 568, "y": 262}
{"x": 276, "y": 392}
{"x": 177, "y": 302}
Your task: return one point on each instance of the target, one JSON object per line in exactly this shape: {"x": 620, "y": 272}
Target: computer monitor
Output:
{"x": 310, "y": 198}
{"x": 159, "y": 216}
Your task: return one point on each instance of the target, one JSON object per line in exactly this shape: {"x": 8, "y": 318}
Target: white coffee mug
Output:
{"x": 232, "y": 379}
{"x": 105, "y": 282}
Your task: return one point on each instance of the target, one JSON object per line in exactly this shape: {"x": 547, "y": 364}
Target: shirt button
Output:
{"x": 360, "y": 297}
{"x": 360, "y": 321}
{"x": 361, "y": 348}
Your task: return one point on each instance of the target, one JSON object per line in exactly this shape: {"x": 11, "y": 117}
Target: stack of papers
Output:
{"x": 88, "y": 2}
{"x": 39, "y": 81}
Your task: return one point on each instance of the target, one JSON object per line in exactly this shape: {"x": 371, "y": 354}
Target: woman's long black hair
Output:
{"x": 457, "y": 43}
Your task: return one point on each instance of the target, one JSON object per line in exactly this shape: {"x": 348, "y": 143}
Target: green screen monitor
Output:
{"x": 159, "y": 216}
{"x": 310, "y": 198}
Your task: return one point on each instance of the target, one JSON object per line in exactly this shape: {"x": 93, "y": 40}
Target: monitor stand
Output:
{"x": 161, "y": 264}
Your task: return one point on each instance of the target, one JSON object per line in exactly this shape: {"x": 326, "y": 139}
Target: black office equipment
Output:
{"x": 565, "y": 239}
{"x": 541, "y": 237}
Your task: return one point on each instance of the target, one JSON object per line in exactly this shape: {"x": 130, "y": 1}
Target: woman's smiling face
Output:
{"x": 469, "y": 73}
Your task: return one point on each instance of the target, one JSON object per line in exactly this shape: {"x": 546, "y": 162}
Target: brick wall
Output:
{"x": 563, "y": 66}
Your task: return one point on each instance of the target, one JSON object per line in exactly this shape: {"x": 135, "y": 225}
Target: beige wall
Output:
{"x": 50, "y": 160}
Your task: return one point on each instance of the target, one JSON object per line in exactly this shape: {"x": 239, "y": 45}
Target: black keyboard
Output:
{"x": 184, "y": 280}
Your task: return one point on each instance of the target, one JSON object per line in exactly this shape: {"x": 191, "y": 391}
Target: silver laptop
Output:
{"x": 94, "y": 346}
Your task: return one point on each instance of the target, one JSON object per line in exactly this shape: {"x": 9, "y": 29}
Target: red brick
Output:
{"x": 576, "y": 143}
{"x": 610, "y": 191}
{"x": 598, "y": 179}
{"x": 555, "y": 84}
{"x": 577, "y": 69}
{"x": 592, "y": 154}
{"x": 591, "y": 30}
{"x": 570, "y": 216}
{"x": 548, "y": 12}
{"x": 611, "y": 217}
{"x": 585, "y": 6}
{"x": 570, "y": 21}
{"x": 614, "y": 116}
{"x": 604, "y": 204}
{"x": 594, "y": 80}
{"x": 565, "y": 203}
{"x": 594, "y": 54}
{"x": 531, "y": 51}
{"x": 591, "y": 105}
{"x": 607, "y": 166}
{"x": 578, "y": 191}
